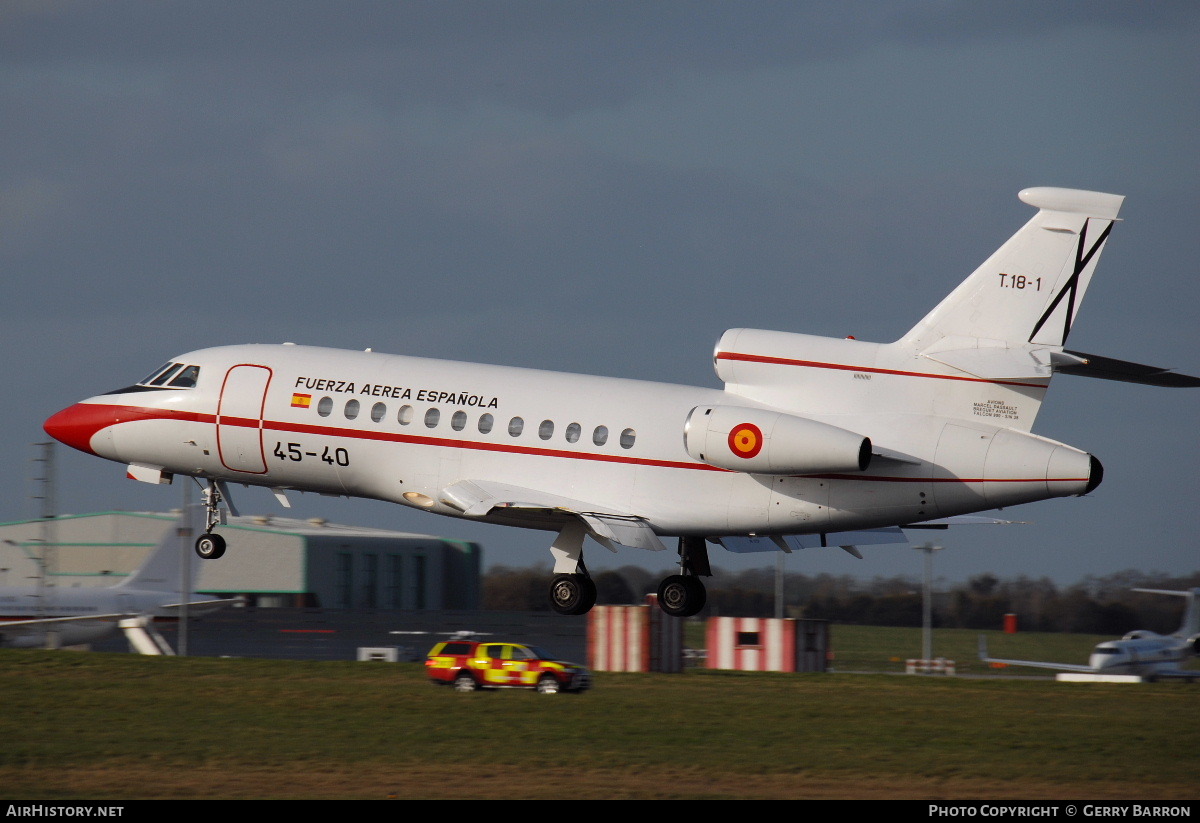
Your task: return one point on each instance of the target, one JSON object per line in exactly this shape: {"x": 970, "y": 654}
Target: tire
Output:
{"x": 548, "y": 684}
{"x": 210, "y": 546}
{"x": 464, "y": 682}
{"x": 681, "y": 596}
{"x": 572, "y": 594}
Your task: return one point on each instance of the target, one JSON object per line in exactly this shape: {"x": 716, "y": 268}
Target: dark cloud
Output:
{"x": 600, "y": 187}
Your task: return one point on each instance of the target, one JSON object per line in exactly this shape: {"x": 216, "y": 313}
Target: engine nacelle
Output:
{"x": 1193, "y": 645}
{"x": 766, "y": 442}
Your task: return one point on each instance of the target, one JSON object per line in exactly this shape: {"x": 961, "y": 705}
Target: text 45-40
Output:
{"x": 293, "y": 451}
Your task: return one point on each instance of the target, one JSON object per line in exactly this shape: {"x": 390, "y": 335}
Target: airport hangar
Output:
{"x": 272, "y": 561}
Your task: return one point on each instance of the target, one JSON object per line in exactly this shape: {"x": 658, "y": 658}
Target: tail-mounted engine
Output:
{"x": 767, "y": 442}
{"x": 1193, "y": 645}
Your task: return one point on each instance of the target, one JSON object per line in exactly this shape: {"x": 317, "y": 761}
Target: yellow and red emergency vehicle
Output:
{"x": 469, "y": 665}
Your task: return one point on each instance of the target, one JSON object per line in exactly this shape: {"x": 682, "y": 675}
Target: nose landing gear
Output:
{"x": 208, "y": 545}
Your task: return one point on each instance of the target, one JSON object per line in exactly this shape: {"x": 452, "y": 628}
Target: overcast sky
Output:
{"x": 600, "y": 187}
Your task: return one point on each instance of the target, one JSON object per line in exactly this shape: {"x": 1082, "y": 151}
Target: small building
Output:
{"x": 272, "y": 561}
{"x": 761, "y": 644}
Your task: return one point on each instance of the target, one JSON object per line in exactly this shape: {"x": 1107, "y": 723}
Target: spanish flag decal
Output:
{"x": 301, "y": 401}
{"x": 745, "y": 440}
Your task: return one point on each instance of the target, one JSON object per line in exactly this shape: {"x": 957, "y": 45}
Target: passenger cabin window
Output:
{"x": 600, "y": 435}
{"x": 432, "y": 417}
{"x": 378, "y": 412}
{"x": 405, "y": 415}
{"x": 486, "y": 421}
{"x": 627, "y": 438}
{"x": 325, "y": 406}
{"x": 572, "y": 433}
{"x": 458, "y": 421}
{"x": 351, "y": 410}
{"x": 546, "y": 430}
{"x": 516, "y": 426}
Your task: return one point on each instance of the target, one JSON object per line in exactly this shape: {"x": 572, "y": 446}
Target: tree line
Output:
{"x": 1094, "y": 605}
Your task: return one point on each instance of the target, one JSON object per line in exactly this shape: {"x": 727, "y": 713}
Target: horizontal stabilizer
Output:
{"x": 1108, "y": 368}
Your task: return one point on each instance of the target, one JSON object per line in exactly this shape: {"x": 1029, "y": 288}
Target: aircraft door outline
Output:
{"x": 240, "y": 418}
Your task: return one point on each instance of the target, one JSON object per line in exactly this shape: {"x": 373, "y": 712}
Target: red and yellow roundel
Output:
{"x": 745, "y": 440}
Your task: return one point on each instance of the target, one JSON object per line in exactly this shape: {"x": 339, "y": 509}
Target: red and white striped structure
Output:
{"x": 760, "y": 644}
{"x": 634, "y": 639}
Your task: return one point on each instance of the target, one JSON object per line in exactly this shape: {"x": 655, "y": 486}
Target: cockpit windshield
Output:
{"x": 166, "y": 376}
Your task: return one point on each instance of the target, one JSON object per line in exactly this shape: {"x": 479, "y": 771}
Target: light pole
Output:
{"x": 927, "y": 602}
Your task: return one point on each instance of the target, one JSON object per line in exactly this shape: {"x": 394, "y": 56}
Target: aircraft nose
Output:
{"x": 76, "y": 425}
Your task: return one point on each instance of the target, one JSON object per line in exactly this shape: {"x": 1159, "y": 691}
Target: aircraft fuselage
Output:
{"x": 402, "y": 429}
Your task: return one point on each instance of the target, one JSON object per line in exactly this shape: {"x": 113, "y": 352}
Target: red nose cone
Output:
{"x": 75, "y": 425}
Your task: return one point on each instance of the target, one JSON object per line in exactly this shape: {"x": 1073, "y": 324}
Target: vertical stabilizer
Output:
{"x": 1191, "y": 613}
{"x": 1025, "y": 296}
{"x": 160, "y": 572}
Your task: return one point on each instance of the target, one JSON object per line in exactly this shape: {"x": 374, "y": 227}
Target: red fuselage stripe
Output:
{"x": 812, "y": 364}
{"x": 136, "y": 413}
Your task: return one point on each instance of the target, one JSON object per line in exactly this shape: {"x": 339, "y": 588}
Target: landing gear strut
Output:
{"x": 208, "y": 545}
{"x": 572, "y": 590}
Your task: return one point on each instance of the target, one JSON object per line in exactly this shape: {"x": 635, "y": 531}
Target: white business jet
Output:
{"x": 1142, "y": 653}
{"x": 34, "y": 617}
{"x": 812, "y": 441}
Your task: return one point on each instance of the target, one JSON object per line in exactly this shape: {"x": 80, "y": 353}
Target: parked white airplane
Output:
{"x": 37, "y": 617}
{"x": 1143, "y": 653}
{"x": 812, "y": 441}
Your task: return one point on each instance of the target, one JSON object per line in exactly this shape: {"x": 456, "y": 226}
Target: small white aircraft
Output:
{"x": 39, "y": 617}
{"x": 1142, "y": 653}
{"x": 812, "y": 441}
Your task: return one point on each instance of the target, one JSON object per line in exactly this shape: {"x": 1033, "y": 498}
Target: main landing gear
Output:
{"x": 683, "y": 594}
{"x": 573, "y": 592}
{"x": 208, "y": 545}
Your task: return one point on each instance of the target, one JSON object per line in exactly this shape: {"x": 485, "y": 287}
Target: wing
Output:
{"x": 477, "y": 498}
{"x": 46, "y": 621}
{"x": 1035, "y": 664}
{"x": 204, "y": 606}
{"x": 850, "y": 541}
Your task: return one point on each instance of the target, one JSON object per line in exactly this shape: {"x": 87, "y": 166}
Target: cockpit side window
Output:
{"x": 187, "y": 378}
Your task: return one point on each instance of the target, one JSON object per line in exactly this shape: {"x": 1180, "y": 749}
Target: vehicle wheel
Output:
{"x": 681, "y": 596}
{"x": 210, "y": 546}
{"x": 548, "y": 684}
{"x": 465, "y": 683}
{"x": 572, "y": 593}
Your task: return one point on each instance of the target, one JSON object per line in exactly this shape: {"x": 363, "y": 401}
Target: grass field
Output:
{"x": 119, "y": 727}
